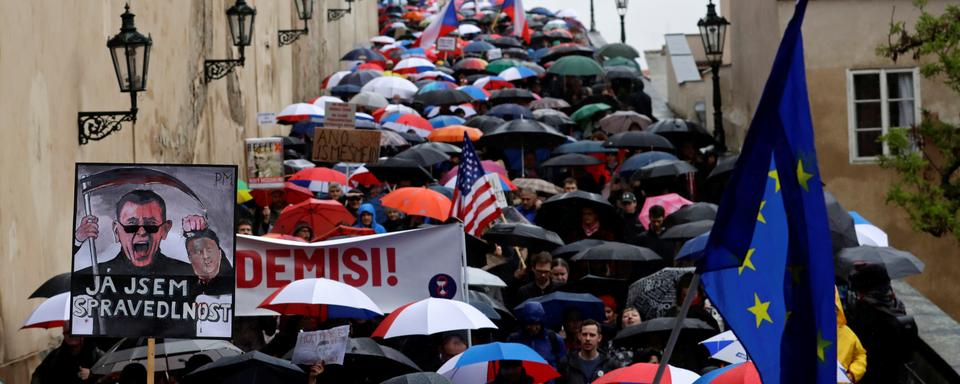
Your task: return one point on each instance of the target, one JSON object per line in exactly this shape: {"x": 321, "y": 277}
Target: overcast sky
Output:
{"x": 647, "y": 20}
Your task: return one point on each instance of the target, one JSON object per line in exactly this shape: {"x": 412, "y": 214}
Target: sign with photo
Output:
{"x": 153, "y": 249}
{"x": 264, "y": 163}
{"x": 327, "y": 346}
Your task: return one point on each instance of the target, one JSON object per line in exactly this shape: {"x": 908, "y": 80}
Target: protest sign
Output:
{"x": 327, "y": 345}
{"x": 346, "y": 145}
{"x": 266, "y": 118}
{"x": 264, "y": 163}
{"x": 393, "y": 269}
{"x": 339, "y": 115}
{"x": 494, "y": 54}
{"x": 153, "y": 250}
{"x": 447, "y": 44}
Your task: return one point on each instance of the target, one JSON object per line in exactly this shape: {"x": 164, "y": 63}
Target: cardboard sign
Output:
{"x": 494, "y": 54}
{"x": 266, "y": 118}
{"x": 447, "y": 44}
{"x": 393, "y": 269}
{"x": 339, "y": 115}
{"x": 264, "y": 163}
{"x": 327, "y": 345}
{"x": 153, "y": 250}
{"x": 346, "y": 145}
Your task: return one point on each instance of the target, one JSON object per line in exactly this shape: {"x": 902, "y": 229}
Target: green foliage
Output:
{"x": 927, "y": 157}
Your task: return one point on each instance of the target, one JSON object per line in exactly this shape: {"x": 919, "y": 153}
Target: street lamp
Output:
{"x": 593, "y": 23}
{"x": 337, "y": 14}
{"x": 304, "y": 13}
{"x": 130, "y": 52}
{"x": 622, "y": 11}
{"x": 240, "y": 20}
{"x": 713, "y": 29}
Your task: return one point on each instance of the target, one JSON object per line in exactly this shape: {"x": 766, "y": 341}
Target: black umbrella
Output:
{"x": 661, "y": 327}
{"x": 553, "y": 118}
{"x": 423, "y": 156}
{"x": 523, "y": 235}
{"x": 843, "y": 234}
{"x": 418, "y": 378}
{"x": 724, "y": 165}
{"x": 687, "y": 231}
{"x": 492, "y": 309}
{"x": 53, "y": 286}
{"x": 691, "y": 213}
{"x": 506, "y": 42}
{"x": 362, "y": 354}
{"x": 654, "y": 294}
{"x": 516, "y": 53}
{"x": 363, "y": 54}
{"x": 524, "y": 133}
{"x": 477, "y": 250}
{"x": 360, "y": 78}
{"x": 680, "y": 131}
{"x": 566, "y": 50}
{"x": 443, "y": 97}
{"x": 639, "y": 140}
{"x": 899, "y": 263}
{"x": 412, "y": 138}
{"x": 575, "y": 247}
{"x": 394, "y": 170}
{"x": 447, "y": 148}
{"x": 250, "y": 367}
{"x": 485, "y": 123}
{"x": 612, "y": 250}
{"x": 571, "y": 160}
{"x": 622, "y": 73}
{"x": 564, "y": 209}
{"x": 664, "y": 168}
{"x": 511, "y": 111}
{"x": 511, "y": 95}
{"x": 171, "y": 354}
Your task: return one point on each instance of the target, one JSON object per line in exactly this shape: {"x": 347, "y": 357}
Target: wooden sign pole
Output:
{"x": 151, "y": 350}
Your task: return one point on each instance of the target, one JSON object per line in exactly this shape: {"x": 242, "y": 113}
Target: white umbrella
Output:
{"x": 321, "y": 297}
{"x": 569, "y": 13}
{"x": 323, "y": 100}
{"x": 481, "y": 278}
{"x": 401, "y": 109}
{"x": 51, "y": 313}
{"x": 391, "y": 87}
{"x": 335, "y": 79}
{"x": 299, "y": 112}
{"x": 415, "y": 64}
{"x": 370, "y": 100}
{"x": 383, "y": 40}
{"x": 867, "y": 233}
{"x": 466, "y": 29}
{"x": 726, "y": 347}
{"x": 430, "y": 316}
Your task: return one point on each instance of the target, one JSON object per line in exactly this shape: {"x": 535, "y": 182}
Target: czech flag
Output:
{"x": 445, "y": 23}
{"x": 514, "y": 9}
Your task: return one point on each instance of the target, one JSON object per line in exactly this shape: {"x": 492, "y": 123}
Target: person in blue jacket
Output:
{"x": 367, "y": 218}
{"x": 546, "y": 342}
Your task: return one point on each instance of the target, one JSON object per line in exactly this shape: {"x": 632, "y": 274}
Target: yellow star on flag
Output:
{"x": 760, "y": 217}
{"x": 747, "y": 263}
{"x": 759, "y": 310}
{"x": 776, "y": 178}
{"x": 822, "y": 345}
{"x": 803, "y": 176}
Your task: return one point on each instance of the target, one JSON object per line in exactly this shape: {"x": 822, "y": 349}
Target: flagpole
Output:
{"x": 677, "y": 326}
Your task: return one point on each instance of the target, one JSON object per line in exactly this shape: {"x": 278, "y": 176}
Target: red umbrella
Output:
{"x": 420, "y": 202}
{"x": 318, "y": 179}
{"x": 345, "y": 231}
{"x": 291, "y": 193}
{"x": 283, "y": 237}
{"x": 321, "y": 215}
{"x": 488, "y": 166}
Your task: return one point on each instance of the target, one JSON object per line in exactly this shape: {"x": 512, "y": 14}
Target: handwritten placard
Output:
{"x": 339, "y": 115}
{"x": 346, "y": 145}
{"x": 328, "y": 346}
{"x": 447, "y": 44}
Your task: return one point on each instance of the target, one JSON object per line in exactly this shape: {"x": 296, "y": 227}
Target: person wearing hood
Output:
{"x": 547, "y": 343}
{"x": 850, "y": 352}
{"x": 367, "y": 218}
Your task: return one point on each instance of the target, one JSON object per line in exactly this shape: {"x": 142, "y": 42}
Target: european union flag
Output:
{"x": 769, "y": 264}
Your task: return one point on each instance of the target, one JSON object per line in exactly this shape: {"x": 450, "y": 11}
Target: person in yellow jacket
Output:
{"x": 850, "y": 352}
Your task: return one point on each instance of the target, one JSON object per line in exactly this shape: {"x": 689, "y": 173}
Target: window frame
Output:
{"x": 884, "y": 108}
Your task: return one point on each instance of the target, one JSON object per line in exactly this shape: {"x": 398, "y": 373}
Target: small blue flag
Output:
{"x": 769, "y": 262}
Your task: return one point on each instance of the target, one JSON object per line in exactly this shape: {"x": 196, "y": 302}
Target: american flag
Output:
{"x": 474, "y": 199}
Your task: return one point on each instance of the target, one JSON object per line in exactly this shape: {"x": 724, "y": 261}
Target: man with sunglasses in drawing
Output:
{"x": 152, "y": 288}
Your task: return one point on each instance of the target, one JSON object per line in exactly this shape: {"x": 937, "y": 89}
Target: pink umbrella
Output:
{"x": 51, "y": 313}
{"x": 488, "y": 165}
{"x": 670, "y": 202}
{"x": 431, "y": 315}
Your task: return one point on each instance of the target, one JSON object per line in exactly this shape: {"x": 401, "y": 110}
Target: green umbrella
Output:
{"x": 621, "y": 62}
{"x": 501, "y": 65}
{"x": 618, "y": 50}
{"x": 587, "y": 111}
{"x": 576, "y": 66}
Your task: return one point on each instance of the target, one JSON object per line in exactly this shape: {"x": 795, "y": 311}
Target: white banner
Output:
{"x": 392, "y": 268}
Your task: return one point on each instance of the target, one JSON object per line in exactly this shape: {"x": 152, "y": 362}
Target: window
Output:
{"x": 878, "y": 100}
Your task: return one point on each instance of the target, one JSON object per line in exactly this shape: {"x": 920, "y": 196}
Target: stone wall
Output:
{"x": 54, "y": 63}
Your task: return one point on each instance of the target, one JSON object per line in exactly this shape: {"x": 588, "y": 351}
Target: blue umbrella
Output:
{"x": 345, "y": 90}
{"x": 558, "y": 304}
{"x": 446, "y": 120}
{"x": 363, "y": 54}
{"x": 511, "y": 111}
{"x": 478, "y": 47}
{"x": 640, "y": 160}
{"x": 359, "y": 78}
{"x": 693, "y": 249}
{"x": 482, "y": 361}
{"x": 541, "y": 11}
{"x": 475, "y": 92}
{"x": 585, "y": 146}
{"x": 448, "y": 192}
